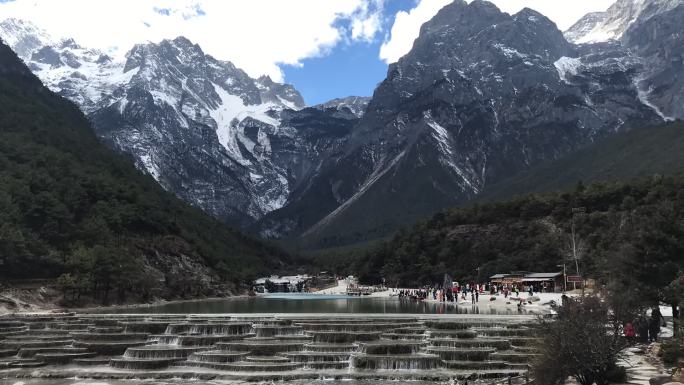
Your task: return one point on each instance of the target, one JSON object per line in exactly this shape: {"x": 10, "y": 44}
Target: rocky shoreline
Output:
{"x": 45, "y": 299}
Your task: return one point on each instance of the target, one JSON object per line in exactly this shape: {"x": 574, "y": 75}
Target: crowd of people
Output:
{"x": 465, "y": 292}
{"x": 470, "y": 291}
{"x": 645, "y": 329}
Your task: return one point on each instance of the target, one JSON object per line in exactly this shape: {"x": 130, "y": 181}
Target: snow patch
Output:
{"x": 510, "y": 52}
{"x": 567, "y": 65}
{"x": 598, "y": 34}
{"x": 442, "y": 135}
{"x": 643, "y": 97}
{"x": 231, "y": 111}
{"x": 150, "y": 166}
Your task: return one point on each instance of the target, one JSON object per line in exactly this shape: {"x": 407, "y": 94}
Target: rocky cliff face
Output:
{"x": 24, "y": 38}
{"x": 355, "y": 104}
{"x": 201, "y": 127}
{"x": 481, "y": 95}
{"x": 614, "y": 22}
{"x": 644, "y": 31}
{"x": 658, "y": 41}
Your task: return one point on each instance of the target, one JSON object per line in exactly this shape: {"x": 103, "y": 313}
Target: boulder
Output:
{"x": 655, "y": 350}
{"x": 678, "y": 374}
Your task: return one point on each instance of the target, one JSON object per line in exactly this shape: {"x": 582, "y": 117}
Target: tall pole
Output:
{"x": 574, "y": 245}
{"x": 565, "y": 278}
{"x": 576, "y": 210}
{"x": 574, "y": 250}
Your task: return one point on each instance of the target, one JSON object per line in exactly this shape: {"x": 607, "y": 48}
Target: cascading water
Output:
{"x": 277, "y": 347}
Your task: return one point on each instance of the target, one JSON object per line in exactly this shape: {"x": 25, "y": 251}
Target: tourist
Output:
{"x": 642, "y": 329}
{"x": 654, "y": 324}
{"x": 628, "y": 331}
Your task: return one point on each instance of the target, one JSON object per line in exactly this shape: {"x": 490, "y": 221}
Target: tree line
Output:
{"x": 630, "y": 234}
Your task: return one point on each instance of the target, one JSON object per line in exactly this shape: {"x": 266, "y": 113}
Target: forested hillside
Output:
{"x": 636, "y": 153}
{"x": 71, "y": 208}
{"x": 632, "y": 232}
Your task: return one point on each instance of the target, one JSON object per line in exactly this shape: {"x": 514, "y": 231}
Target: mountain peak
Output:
{"x": 23, "y": 36}
{"x": 355, "y": 104}
{"x": 459, "y": 14}
{"x": 185, "y": 46}
{"x": 613, "y": 23}
{"x": 530, "y": 14}
{"x": 69, "y": 43}
{"x": 265, "y": 80}
{"x": 184, "y": 42}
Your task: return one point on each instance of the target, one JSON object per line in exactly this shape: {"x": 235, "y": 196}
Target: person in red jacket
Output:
{"x": 629, "y": 331}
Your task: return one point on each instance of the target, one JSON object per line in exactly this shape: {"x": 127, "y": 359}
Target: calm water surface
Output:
{"x": 313, "y": 303}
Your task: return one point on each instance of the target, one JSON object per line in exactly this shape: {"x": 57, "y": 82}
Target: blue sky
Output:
{"x": 350, "y": 68}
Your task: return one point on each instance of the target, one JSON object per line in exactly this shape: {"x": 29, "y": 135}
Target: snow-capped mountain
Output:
{"x": 23, "y": 37}
{"x": 613, "y": 23}
{"x": 88, "y": 77}
{"x": 647, "y": 32}
{"x": 481, "y": 95}
{"x": 208, "y": 132}
{"x": 228, "y": 143}
{"x": 659, "y": 41}
{"x": 355, "y": 104}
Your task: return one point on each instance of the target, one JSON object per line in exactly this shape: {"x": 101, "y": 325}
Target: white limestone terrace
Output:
{"x": 58, "y": 348}
{"x": 265, "y": 347}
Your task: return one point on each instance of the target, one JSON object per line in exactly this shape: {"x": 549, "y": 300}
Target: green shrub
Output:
{"x": 673, "y": 350}
{"x": 617, "y": 375}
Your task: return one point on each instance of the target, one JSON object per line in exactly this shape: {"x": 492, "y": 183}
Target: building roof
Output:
{"x": 530, "y": 277}
{"x": 542, "y": 275}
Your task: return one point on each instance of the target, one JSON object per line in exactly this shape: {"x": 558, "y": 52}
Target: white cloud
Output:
{"x": 256, "y": 35}
{"x": 368, "y": 21}
{"x": 407, "y": 24}
{"x": 366, "y": 29}
{"x": 406, "y": 28}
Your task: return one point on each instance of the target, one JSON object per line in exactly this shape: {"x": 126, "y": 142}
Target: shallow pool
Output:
{"x": 315, "y": 303}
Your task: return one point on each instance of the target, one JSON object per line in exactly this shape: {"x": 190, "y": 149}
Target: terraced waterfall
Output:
{"x": 256, "y": 348}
